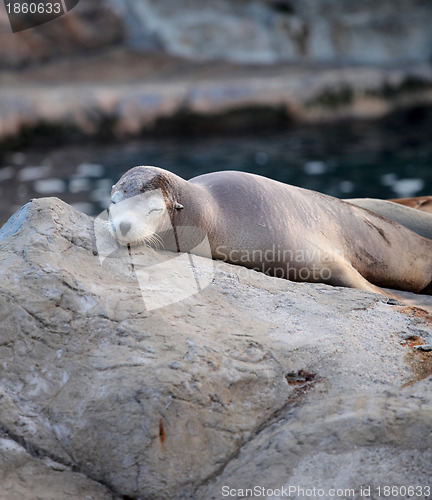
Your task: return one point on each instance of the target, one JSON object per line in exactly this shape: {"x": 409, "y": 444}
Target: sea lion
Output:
{"x": 423, "y": 203}
{"x": 276, "y": 228}
{"x": 416, "y": 220}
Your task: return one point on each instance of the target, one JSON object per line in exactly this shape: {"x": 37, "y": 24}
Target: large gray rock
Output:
{"x": 251, "y": 381}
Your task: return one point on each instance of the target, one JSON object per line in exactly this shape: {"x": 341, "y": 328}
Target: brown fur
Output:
{"x": 423, "y": 203}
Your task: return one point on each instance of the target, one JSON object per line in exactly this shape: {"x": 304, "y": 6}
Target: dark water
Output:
{"x": 385, "y": 159}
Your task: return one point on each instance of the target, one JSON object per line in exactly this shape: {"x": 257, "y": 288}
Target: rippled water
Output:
{"x": 386, "y": 159}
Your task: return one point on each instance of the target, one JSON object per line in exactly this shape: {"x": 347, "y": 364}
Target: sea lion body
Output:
{"x": 423, "y": 203}
{"x": 416, "y": 220}
{"x": 282, "y": 230}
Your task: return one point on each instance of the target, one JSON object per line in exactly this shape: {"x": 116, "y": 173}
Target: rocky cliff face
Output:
{"x": 254, "y": 31}
{"x": 267, "y": 31}
{"x": 251, "y": 381}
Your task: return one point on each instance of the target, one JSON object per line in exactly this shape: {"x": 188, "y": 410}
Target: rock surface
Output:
{"x": 256, "y": 31}
{"x": 252, "y": 381}
{"x": 268, "y": 31}
{"x": 24, "y": 476}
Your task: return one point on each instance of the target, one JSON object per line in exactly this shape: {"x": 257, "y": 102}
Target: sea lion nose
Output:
{"x": 125, "y": 228}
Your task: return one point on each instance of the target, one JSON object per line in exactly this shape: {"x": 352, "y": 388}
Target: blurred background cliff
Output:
{"x": 332, "y": 95}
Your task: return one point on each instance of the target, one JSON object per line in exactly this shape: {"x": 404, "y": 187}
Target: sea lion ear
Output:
{"x": 116, "y": 197}
{"x": 178, "y": 206}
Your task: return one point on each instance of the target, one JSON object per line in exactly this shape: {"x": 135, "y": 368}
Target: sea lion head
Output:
{"x": 141, "y": 205}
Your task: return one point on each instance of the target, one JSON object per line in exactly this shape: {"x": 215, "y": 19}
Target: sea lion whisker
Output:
{"x": 155, "y": 240}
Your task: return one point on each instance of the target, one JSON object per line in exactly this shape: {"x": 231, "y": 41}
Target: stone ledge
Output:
{"x": 219, "y": 99}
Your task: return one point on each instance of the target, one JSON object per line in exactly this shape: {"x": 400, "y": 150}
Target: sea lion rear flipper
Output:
{"x": 344, "y": 274}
